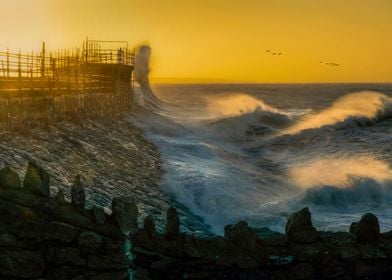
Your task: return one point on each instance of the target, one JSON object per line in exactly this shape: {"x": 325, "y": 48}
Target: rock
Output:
{"x": 99, "y": 215}
{"x": 241, "y": 235}
{"x": 21, "y": 264}
{"x": 90, "y": 240}
{"x": 125, "y": 213}
{"x": 53, "y": 231}
{"x": 37, "y": 180}
{"x": 121, "y": 275}
{"x": 172, "y": 223}
{"x": 353, "y": 227}
{"x": 69, "y": 256}
{"x": 77, "y": 193}
{"x": 9, "y": 179}
{"x": 116, "y": 261}
{"x": 149, "y": 225}
{"x": 301, "y": 271}
{"x": 299, "y": 227}
{"x": 367, "y": 230}
{"x": 266, "y": 233}
{"x": 7, "y": 238}
{"x": 60, "y": 198}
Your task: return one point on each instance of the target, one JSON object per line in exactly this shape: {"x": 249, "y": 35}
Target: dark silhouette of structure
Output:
{"x": 91, "y": 82}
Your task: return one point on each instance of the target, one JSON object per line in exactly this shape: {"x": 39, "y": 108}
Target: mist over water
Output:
{"x": 259, "y": 152}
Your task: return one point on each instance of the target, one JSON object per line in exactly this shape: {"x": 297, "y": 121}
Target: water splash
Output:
{"x": 364, "y": 106}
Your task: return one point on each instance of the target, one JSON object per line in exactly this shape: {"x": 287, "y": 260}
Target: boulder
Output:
{"x": 149, "y": 225}
{"x": 77, "y": 193}
{"x": 37, "y": 180}
{"x": 125, "y": 213}
{"x": 367, "y": 230}
{"x": 241, "y": 235}
{"x": 172, "y": 223}
{"x": 9, "y": 179}
{"x": 299, "y": 227}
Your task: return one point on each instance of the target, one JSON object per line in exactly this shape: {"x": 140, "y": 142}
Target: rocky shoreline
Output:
{"x": 42, "y": 236}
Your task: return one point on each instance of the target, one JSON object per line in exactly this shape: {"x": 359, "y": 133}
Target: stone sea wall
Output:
{"x": 42, "y": 236}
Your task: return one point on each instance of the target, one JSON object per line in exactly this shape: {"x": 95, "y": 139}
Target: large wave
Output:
{"x": 237, "y": 115}
{"x": 357, "y": 108}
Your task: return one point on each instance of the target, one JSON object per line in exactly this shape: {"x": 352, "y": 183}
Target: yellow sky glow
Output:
{"x": 220, "y": 40}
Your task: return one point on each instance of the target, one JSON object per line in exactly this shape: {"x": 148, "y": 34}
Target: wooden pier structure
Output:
{"x": 90, "y": 82}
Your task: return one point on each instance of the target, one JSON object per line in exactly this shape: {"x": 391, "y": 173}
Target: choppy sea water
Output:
{"x": 259, "y": 152}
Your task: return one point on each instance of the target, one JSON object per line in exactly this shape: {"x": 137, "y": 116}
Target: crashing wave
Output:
{"x": 353, "y": 110}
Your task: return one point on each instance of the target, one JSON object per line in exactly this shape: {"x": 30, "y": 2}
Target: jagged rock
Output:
{"x": 21, "y": 264}
{"x": 90, "y": 240}
{"x": 60, "y": 198}
{"x": 37, "y": 180}
{"x": 149, "y": 225}
{"x": 77, "y": 193}
{"x": 99, "y": 215}
{"x": 367, "y": 230}
{"x": 241, "y": 235}
{"x": 299, "y": 227}
{"x": 172, "y": 223}
{"x": 125, "y": 213}
{"x": 9, "y": 179}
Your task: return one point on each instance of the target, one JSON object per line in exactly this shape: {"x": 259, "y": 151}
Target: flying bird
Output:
{"x": 267, "y": 50}
{"x": 332, "y": 64}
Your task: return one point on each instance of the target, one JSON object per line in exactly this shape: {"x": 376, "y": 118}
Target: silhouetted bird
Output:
{"x": 274, "y": 54}
{"x": 267, "y": 50}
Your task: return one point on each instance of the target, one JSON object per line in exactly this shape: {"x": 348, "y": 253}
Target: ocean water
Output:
{"x": 260, "y": 152}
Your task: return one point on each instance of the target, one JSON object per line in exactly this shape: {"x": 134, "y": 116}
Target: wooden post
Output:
{"x": 43, "y": 60}
{"x": 19, "y": 72}
{"x": 8, "y": 63}
{"x": 87, "y": 50}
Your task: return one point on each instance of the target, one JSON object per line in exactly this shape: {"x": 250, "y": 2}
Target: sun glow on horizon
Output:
{"x": 221, "y": 41}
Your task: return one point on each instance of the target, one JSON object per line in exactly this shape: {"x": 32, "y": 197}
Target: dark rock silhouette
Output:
{"x": 48, "y": 238}
{"x": 125, "y": 213}
{"x": 299, "y": 227}
{"x": 78, "y": 193}
{"x": 172, "y": 223}
{"x": 149, "y": 225}
{"x": 37, "y": 180}
{"x": 9, "y": 179}
{"x": 241, "y": 235}
{"x": 367, "y": 230}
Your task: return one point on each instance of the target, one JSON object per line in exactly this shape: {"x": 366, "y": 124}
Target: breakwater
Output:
{"x": 42, "y": 236}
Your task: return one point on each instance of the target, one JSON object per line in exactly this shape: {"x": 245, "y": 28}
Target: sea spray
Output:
{"x": 216, "y": 173}
{"x": 363, "y": 106}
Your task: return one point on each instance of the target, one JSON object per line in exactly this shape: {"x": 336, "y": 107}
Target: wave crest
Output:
{"x": 361, "y": 108}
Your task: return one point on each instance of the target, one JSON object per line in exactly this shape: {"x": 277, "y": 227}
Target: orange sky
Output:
{"x": 221, "y": 40}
